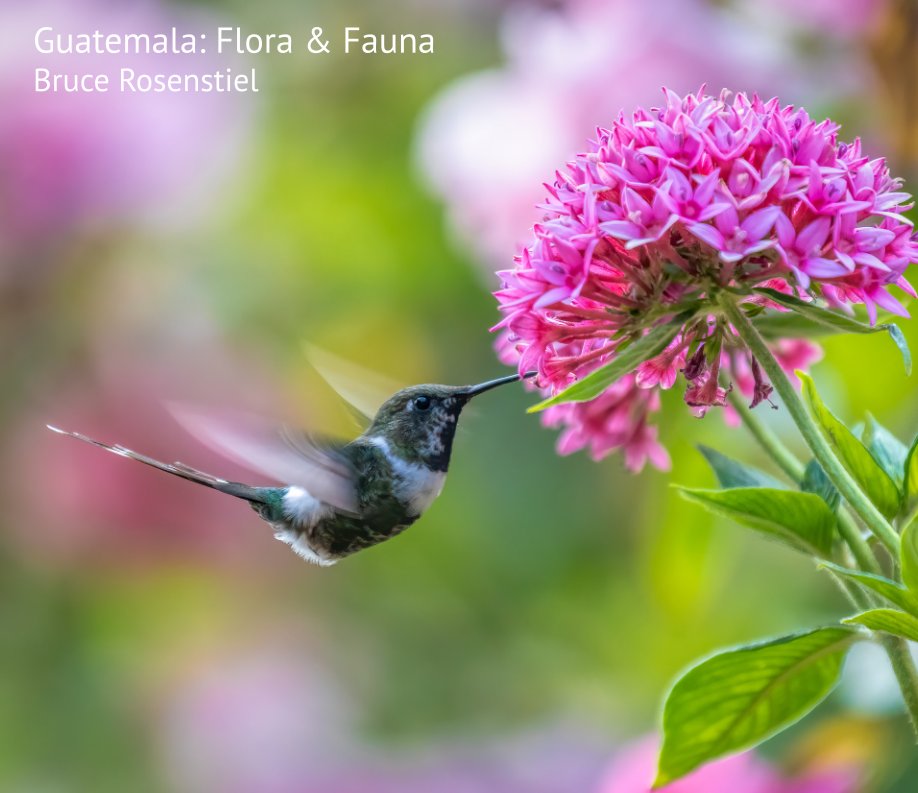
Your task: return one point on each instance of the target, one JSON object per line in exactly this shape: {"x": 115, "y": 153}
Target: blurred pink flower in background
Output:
{"x": 634, "y": 769}
{"x": 256, "y": 715}
{"x": 488, "y": 141}
{"x": 78, "y": 161}
{"x": 841, "y": 19}
{"x": 73, "y": 503}
{"x": 268, "y": 716}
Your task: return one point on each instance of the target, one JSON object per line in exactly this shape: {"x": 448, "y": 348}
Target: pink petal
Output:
{"x": 759, "y": 223}
{"x": 621, "y": 229}
{"x": 886, "y": 301}
{"x": 787, "y": 234}
{"x": 818, "y": 267}
{"x": 708, "y": 234}
{"x": 869, "y": 260}
{"x": 813, "y": 235}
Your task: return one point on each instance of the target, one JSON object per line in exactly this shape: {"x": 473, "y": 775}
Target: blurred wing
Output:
{"x": 290, "y": 458}
{"x": 362, "y": 389}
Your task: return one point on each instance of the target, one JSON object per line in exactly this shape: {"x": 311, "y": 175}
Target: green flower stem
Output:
{"x": 832, "y": 466}
{"x": 906, "y": 674}
{"x": 896, "y": 648}
{"x": 787, "y": 461}
{"x": 910, "y": 518}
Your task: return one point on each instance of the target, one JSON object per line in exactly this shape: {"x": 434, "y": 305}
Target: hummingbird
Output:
{"x": 341, "y": 497}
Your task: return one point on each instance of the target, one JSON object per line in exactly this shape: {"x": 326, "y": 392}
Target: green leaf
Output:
{"x": 908, "y": 556}
{"x": 816, "y": 481}
{"x": 802, "y": 520}
{"x": 591, "y": 386}
{"x": 860, "y": 463}
{"x": 896, "y": 334}
{"x": 774, "y": 325}
{"x": 736, "y": 699}
{"x": 911, "y": 473}
{"x": 731, "y": 473}
{"x": 891, "y": 621}
{"x": 886, "y": 449}
{"x": 836, "y": 322}
{"x": 893, "y": 591}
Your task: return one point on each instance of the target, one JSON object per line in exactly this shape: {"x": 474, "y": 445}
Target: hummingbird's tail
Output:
{"x": 254, "y": 495}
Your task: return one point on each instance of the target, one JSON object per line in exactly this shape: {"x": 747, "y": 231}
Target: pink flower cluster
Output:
{"x": 668, "y": 207}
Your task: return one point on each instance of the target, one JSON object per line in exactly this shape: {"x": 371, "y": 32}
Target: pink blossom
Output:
{"x": 704, "y": 393}
{"x": 663, "y": 210}
{"x": 735, "y": 239}
{"x": 616, "y": 419}
{"x": 795, "y": 354}
{"x": 663, "y": 370}
{"x": 792, "y": 354}
{"x": 634, "y": 769}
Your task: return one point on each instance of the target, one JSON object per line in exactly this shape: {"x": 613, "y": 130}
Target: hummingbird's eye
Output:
{"x": 422, "y": 402}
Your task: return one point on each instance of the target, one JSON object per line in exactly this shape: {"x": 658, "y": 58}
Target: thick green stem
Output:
{"x": 896, "y": 648}
{"x": 852, "y": 535}
{"x": 903, "y": 665}
{"x": 787, "y": 461}
{"x": 832, "y": 466}
{"x": 910, "y": 518}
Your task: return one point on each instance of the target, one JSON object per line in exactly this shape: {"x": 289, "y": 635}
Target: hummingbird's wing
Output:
{"x": 362, "y": 389}
{"x": 292, "y": 458}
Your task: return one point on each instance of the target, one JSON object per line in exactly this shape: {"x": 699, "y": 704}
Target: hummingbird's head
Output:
{"x": 419, "y": 422}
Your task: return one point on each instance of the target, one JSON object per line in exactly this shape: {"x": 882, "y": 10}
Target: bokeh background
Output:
{"x": 153, "y": 637}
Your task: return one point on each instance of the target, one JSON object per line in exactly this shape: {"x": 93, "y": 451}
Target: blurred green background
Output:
{"x": 153, "y": 637}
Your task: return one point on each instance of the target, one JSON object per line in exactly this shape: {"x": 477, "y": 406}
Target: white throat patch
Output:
{"x": 415, "y": 486}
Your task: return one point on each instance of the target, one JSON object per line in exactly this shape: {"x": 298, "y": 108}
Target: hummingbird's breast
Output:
{"x": 392, "y": 493}
{"x": 414, "y": 485}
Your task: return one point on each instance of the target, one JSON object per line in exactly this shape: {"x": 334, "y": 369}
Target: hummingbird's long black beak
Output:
{"x": 475, "y": 390}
